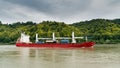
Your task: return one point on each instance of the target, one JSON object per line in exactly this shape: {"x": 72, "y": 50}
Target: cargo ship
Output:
{"x": 54, "y": 42}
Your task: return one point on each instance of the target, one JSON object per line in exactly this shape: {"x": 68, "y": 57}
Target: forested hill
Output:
{"x": 97, "y": 30}
{"x": 99, "y": 27}
{"x": 103, "y": 30}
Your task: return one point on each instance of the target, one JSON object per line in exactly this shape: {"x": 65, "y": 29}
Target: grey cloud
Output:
{"x": 55, "y": 7}
{"x": 35, "y": 4}
{"x": 114, "y": 2}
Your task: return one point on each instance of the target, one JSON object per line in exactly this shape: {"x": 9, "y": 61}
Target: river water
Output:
{"x": 101, "y": 56}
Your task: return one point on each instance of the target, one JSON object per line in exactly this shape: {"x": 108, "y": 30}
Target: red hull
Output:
{"x": 55, "y": 45}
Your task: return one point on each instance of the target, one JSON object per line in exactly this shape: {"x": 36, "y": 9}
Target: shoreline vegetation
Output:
{"x": 101, "y": 31}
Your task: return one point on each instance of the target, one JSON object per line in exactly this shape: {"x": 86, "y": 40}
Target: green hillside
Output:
{"x": 97, "y": 30}
{"x": 102, "y": 30}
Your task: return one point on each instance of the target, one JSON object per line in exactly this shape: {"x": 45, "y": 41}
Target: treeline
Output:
{"x": 97, "y": 30}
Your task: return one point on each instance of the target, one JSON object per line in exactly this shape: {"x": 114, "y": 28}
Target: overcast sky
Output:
{"x": 68, "y": 11}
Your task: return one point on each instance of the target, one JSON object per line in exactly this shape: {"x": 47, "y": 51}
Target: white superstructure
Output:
{"x": 24, "y": 38}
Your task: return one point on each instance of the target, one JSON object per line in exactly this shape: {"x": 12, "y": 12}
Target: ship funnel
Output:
{"x": 73, "y": 38}
{"x": 53, "y": 36}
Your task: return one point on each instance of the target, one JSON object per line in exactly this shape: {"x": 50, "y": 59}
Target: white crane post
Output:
{"x": 53, "y": 36}
{"x": 73, "y": 38}
{"x": 86, "y": 38}
{"x": 36, "y": 38}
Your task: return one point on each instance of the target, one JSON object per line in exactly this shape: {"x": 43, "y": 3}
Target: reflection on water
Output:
{"x": 101, "y": 56}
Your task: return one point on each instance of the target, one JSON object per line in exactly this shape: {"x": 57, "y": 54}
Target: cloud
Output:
{"x": 54, "y": 7}
{"x": 59, "y": 10}
{"x": 14, "y": 12}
